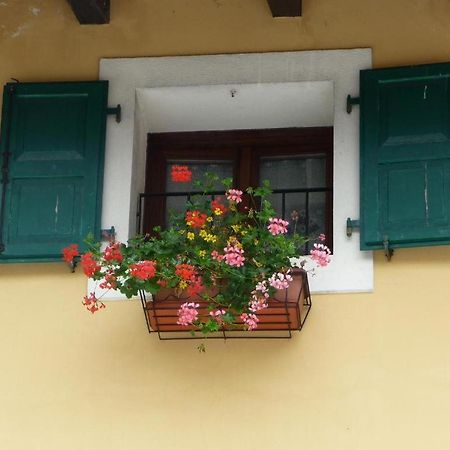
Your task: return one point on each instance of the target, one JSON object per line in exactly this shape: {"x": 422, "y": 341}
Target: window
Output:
{"x": 296, "y": 161}
{"x": 405, "y": 156}
{"x": 52, "y": 151}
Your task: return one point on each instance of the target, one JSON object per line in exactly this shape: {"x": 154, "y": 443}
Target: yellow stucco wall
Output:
{"x": 369, "y": 371}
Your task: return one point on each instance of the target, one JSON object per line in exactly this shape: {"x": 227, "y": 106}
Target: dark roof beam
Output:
{"x": 91, "y": 12}
{"x": 285, "y": 8}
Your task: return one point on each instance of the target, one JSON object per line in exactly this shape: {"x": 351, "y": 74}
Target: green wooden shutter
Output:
{"x": 55, "y": 134}
{"x": 405, "y": 156}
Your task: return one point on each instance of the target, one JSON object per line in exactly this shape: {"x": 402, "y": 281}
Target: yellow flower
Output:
{"x": 202, "y": 253}
{"x": 183, "y": 284}
{"x": 209, "y": 219}
{"x": 218, "y": 212}
{"x": 236, "y": 228}
{"x": 190, "y": 235}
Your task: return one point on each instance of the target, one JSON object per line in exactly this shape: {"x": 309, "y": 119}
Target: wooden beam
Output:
{"x": 285, "y": 8}
{"x": 91, "y": 12}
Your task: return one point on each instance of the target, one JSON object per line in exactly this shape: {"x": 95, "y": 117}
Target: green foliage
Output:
{"x": 198, "y": 240}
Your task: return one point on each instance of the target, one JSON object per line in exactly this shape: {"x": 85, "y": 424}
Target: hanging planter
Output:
{"x": 223, "y": 269}
{"x": 286, "y": 311}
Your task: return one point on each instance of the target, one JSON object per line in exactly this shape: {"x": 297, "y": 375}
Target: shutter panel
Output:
{"x": 55, "y": 174}
{"x": 405, "y": 156}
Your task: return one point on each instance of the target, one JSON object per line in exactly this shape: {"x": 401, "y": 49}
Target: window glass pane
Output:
{"x": 305, "y": 211}
{"x": 177, "y": 204}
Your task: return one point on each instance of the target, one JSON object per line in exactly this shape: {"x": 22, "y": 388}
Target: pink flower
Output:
{"x": 233, "y": 256}
{"x": 234, "y": 195}
{"x": 280, "y": 280}
{"x": 215, "y": 255}
{"x": 217, "y": 315}
{"x": 257, "y": 303}
{"x": 259, "y": 297}
{"x": 322, "y": 237}
{"x": 321, "y": 255}
{"x": 277, "y": 226}
{"x": 250, "y": 320}
{"x": 187, "y": 314}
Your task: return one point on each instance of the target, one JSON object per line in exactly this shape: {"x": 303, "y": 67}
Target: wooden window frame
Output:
{"x": 244, "y": 148}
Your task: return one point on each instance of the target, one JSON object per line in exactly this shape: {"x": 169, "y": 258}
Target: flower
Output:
{"x": 70, "y": 252}
{"x": 232, "y": 261}
{"x": 280, "y": 280}
{"x": 185, "y": 271}
{"x": 321, "y": 255}
{"x": 188, "y": 313}
{"x": 234, "y": 195}
{"x": 92, "y": 303}
{"x": 196, "y": 219}
{"x": 181, "y": 174}
{"x": 113, "y": 253}
{"x": 217, "y": 207}
{"x": 277, "y": 226}
{"x": 250, "y": 320}
{"x": 233, "y": 256}
{"x": 143, "y": 270}
{"x": 90, "y": 266}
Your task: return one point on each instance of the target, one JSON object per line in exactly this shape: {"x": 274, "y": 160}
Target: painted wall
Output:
{"x": 369, "y": 371}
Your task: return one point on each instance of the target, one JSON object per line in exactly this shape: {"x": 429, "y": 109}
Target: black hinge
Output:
{"x": 388, "y": 251}
{"x": 117, "y": 111}
{"x": 350, "y": 102}
{"x": 5, "y": 163}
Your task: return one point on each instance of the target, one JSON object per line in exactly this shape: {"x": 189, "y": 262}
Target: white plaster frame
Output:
{"x": 351, "y": 270}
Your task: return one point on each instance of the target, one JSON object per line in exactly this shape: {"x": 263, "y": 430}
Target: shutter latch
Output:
{"x": 388, "y": 252}
{"x": 350, "y": 102}
{"x": 351, "y": 225}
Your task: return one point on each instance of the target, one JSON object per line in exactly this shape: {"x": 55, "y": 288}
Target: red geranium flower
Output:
{"x": 90, "y": 266}
{"x": 113, "y": 253}
{"x": 70, "y": 252}
{"x": 185, "y": 271}
{"x": 215, "y": 204}
{"x": 110, "y": 282}
{"x": 196, "y": 219}
{"x": 181, "y": 174}
{"x": 143, "y": 270}
{"x": 195, "y": 287}
{"x": 92, "y": 303}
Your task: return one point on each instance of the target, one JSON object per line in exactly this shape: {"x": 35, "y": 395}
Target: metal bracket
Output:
{"x": 108, "y": 234}
{"x": 350, "y": 102}
{"x": 117, "y": 111}
{"x": 388, "y": 252}
{"x": 351, "y": 225}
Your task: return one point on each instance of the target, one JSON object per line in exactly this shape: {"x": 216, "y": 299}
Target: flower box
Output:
{"x": 287, "y": 311}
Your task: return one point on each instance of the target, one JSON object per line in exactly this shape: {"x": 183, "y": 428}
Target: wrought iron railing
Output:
{"x": 213, "y": 194}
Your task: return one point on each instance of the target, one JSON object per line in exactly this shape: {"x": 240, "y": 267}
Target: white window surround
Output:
{"x": 157, "y": 94}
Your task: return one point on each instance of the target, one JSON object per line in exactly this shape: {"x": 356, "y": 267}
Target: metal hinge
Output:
{"x": 388, "y": 251}
{"x": 350, "y": 102}
{"x": 351, "y": 225}
{"x": 117, "y": 111}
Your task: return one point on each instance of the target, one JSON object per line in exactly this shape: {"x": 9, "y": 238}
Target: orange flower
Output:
{"x": 181, "y": 174}
{"x": 196, "y": 219}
